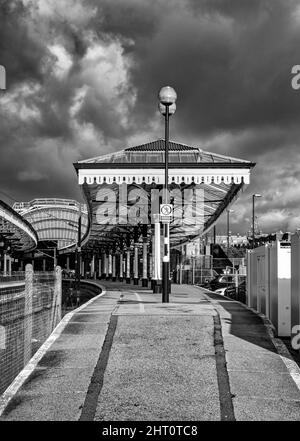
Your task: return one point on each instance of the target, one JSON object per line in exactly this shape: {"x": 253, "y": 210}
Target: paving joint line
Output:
{"x": 225, "y": 396}
{"x": 91, "y": 400}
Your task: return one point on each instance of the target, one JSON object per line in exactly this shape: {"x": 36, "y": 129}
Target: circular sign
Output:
{"x": 166, "y": 209}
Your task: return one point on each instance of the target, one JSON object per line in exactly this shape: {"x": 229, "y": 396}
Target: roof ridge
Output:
{"x": 157, "y": 142}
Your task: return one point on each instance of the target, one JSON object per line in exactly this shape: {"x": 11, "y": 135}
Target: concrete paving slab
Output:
{"x": 254, "y": 361}
{"x": 89, "y": 317}
{"x": 51, "y": 380}
{"x": 263, "y": 384}
{"x": 70, "y": 358}
{"x": 237, "y": 344}
{"x": 163, "y": 309}
{"x": 266, "y": 409}
{"x": 81, "y": 341}
{"x": 157, "y": 371}
{"x": 56, "y": 406}
{"x": 244, "y": 330}
{"x": 76, "y": 328}
{"x": 242, "y": 318}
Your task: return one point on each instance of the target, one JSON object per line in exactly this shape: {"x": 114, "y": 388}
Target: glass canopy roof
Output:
{"x": 140, "y": 170}
{"x": 17, "y": 231}
{"x": 153, "y": 153}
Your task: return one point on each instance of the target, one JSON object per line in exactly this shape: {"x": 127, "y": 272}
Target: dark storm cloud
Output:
{"x": 230, "y": 61}
{"x": 20, "y": 48}
{"x": 38, "y": 142}
{"x": 83, "y": 78}
{"x": 225, "y": 58}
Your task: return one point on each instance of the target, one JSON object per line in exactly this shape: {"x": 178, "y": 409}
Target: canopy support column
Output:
{"x": 181, "y": 265}
{"x": 145, "y": 263}
{"x": 4, "y": 264}
{"x": 103, "y": 270}
{"x": 93, "y": 266}
{"x": 151, "y": 267}
{"x": 136, "y": 258}
{"x": 9, "y": 265}
{"x": 136, "y": 265}
{"x": 114, "y": 278}
{"x": 128, "y": 261}
{"x": 157, "y": 288}
{"x": 121, "y": 267}
{"x": 106, "y": 267}
{"x": 128, "y": 266}
{"x": 99, "y": 267}
{"x": 110, "y": 264}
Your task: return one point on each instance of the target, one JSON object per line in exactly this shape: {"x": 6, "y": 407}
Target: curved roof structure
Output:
{"x": 122, "y": 190}
{"x": 54, "y": 219}
{"x": 17, "y": 230}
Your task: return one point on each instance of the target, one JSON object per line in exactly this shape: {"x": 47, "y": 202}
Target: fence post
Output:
{"x": 193, "y": 271}
{"x": 28, "y": 312}
{"x": 57, "y": 295}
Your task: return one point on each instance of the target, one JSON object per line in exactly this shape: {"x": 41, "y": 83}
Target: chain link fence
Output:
{"x": 194, "y": 270}
{"x": 200, "y": 270}
{"x": 30, "y": 308}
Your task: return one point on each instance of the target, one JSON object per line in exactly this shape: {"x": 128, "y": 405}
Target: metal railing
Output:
{"x": 29, "y": 312}
{"x": 12, "y": 277}
{"x": 202, "y": 269}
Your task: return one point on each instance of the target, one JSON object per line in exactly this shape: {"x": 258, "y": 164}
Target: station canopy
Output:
{"x": 122, "y": 190}
{"x": 16, "y": 231}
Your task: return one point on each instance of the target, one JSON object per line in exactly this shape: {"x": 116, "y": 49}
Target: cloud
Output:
{"x": 83, "y": 77}
{"x": 21, "y": 49}
{"x": 63, "y": 60}
{"x": 30, "y": 175}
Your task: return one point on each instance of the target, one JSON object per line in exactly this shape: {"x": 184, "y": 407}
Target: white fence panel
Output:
{"x": 295, "y": 279}
{"x": 269, "y": 284}
{"x": 280, "y": 288}
{"x": 258, "y": 294}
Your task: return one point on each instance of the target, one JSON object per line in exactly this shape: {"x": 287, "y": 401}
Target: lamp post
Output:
{"x": 228, "y": 212}
{"x": 167, "y": 98}
{"x": 253, "y": 218}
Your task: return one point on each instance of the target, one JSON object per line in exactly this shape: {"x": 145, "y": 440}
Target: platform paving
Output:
{"x": 127, "y": 356}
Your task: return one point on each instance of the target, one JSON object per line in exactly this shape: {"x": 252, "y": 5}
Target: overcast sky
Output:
{"x": 83, "y": 77}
